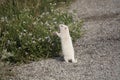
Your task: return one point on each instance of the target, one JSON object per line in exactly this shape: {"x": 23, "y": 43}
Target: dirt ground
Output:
{"x": 97, "y": 51}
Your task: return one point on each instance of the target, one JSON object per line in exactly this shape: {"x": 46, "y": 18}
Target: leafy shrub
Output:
{"x": 28, "y": 34}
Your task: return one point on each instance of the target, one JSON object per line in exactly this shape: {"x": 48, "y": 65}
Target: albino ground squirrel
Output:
{"x": 66, "y": 42}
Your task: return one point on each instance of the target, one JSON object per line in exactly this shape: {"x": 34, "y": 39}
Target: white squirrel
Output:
{"x": 66, "y": 42}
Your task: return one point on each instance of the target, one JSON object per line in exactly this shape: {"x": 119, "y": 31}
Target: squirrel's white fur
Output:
{"x": 67, "y": 46}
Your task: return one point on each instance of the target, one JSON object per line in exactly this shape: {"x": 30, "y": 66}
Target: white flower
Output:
{"x": 52, "y": 44}
{"x": 8, "y": 41}
{"x": 55, "y": 22}
{"x": 17, "y": 30}
{"x": 26, "y": 43}
{"x": 74, "y": 22}
{"x": 46, "y": 23}
{"x": 39, "y": 39}
{"x": 47, "y": 13}
{"x": 19, "y": 48}
{"x": 24, "y": 34}
{"x": 6, "y": 54}
{"x": 25, "y": 30}
{"x": 20, "y": 35}
{"x": 30, "y": 34}
{"x": 54, "y": 4}
{"x": 43, "y": 40}
{"x": 33, "y": 42}
{"x": 34, "y": 23}
{"x": 7, "y": 32}
{"x": 48, "y": 38}
{"x": 37, "y": 19}
{"x": 54, "y": 19}
{"x": 24, "y": 22}
{"x": 33, "y": 38}
{"x": 50, "y": 3}
{"x": 26, "y": 53}
{"x": 4, "y": 19}
{"x": 26, "y": 9}
{"x": 43, "y": 14}
{"x": 41, "y": 22}
{"x": 52, "y": 10}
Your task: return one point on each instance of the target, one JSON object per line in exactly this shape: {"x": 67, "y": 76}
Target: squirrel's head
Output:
{"x": 63, "y": 28}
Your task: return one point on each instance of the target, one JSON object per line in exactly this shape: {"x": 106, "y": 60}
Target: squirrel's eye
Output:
{"x": 65, "y": 28}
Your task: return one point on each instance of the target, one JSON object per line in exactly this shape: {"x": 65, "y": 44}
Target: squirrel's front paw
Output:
{"x": 55, "y": 33}
{"x": 58, "y": 34}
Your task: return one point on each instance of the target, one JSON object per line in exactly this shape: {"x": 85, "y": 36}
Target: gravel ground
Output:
{"x": 97, "y": 51}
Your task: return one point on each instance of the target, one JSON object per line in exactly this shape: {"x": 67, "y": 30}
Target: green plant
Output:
{"x": 27, "y": 34}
